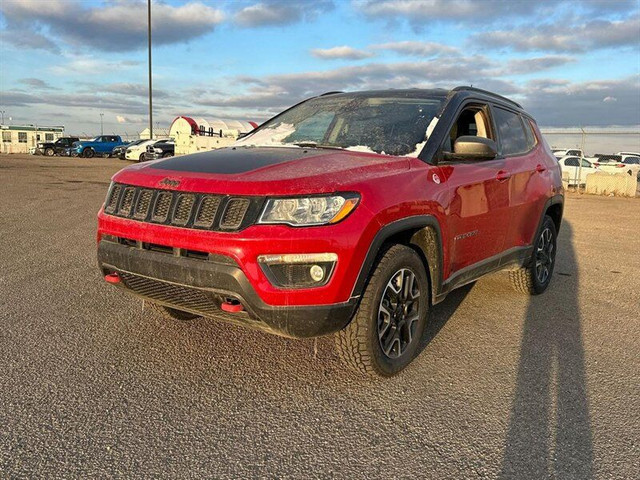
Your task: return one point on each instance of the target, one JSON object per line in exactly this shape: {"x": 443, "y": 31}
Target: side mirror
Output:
{"x": 470, "y": 147}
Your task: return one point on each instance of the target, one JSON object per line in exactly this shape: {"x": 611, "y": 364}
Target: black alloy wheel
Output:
{"x": 398, "y": 313}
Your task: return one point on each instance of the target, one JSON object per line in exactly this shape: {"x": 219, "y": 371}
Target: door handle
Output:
{"x": 540, "y": 168}
{"x": 503, "y": 175}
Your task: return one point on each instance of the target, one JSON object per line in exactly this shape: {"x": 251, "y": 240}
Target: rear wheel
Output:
{"x": 384, "y": 335}
{"x": 49, "y": 152}
{"x": 169, "y": 313}
{"x": 88, "y": 153}
{"x": 535, "y": 278}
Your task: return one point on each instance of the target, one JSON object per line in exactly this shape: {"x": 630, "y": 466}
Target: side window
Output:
{"x": 632, "y": 160}
{"x": 586, "y": 163}
{"x": 511, "y": 132}
{"x": 528, "y": 131}
{"x": 571, "y": 162}
{"x": 471, "y": 121}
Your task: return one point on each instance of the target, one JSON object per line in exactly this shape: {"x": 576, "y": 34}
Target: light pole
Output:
{"x": 2, "y": 112}
{"x": 101, "y": 124}
{"x": 150, "y": 85}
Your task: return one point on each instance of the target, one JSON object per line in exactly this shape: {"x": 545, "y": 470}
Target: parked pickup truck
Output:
{"x": 56, "y": 148}
{"x": 101, "y": 145}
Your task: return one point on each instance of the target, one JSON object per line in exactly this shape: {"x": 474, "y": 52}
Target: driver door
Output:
{"x": 478, "y": 207}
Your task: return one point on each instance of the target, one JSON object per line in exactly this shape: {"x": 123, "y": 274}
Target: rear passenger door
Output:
{"x": 529, "y": 174}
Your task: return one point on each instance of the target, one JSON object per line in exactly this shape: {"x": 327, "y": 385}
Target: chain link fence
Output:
{"x": 610, "y": 180}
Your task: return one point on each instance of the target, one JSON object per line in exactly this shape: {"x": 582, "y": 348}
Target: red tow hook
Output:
{"x": 232, "y": 307}
{"x": 112, "y": 278}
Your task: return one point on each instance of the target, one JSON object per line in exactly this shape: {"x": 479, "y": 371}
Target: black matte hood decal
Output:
{"x": 235, "y": 159}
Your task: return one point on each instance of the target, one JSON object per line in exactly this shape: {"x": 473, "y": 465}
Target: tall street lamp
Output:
{"x": 101, "y": 124}
{"x": 150, "y": 85}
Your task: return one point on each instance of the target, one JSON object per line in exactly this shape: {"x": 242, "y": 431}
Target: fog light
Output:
{"x": 298, "y": 270}
{"x": 317, "y": 273}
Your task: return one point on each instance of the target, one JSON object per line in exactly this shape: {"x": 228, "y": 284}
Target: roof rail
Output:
{"x": 329, "y": 93}
{"x": 464, "y": 88}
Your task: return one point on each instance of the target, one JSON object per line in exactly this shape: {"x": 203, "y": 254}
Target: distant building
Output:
{"x": 157, "y": 133}
{"x": 24, "y": 138}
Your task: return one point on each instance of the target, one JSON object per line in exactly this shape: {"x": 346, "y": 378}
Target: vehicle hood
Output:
{"x": 264, "y": 170}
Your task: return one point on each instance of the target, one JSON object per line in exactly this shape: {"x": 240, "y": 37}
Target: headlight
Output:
{"x": 304, "y": 211}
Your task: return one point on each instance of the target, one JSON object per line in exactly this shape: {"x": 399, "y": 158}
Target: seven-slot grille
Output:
{"x": 190, "y": 210}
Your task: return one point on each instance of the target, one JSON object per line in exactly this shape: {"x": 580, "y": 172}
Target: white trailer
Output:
{"x": 198, "y": 135}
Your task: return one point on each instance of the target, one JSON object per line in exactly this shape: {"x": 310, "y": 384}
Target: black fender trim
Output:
{"x": 407, "y": 224}
{"x": 554, "y": 200}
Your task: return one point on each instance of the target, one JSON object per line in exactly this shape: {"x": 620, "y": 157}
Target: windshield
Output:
{"x": 387, "y": 125}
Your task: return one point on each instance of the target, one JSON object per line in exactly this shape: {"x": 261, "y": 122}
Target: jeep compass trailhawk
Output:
{"x": 349, "y": 213}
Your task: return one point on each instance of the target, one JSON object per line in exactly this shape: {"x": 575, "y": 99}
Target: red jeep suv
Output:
{"x": 349, "y": 213}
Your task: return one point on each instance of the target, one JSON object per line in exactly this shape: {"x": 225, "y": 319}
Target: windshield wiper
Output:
{"x": 316, "y": 145}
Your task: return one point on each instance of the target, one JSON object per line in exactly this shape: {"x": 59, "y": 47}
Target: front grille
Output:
{"x": 143, "y": 204}
{"x": 127, "y": 201}
{"x": 161, "y": 208}
{"x": 234, "y": 213}
{"x": 196, "y": 300}
{"x": 112, "y": 200}
{"x": 207, "y": 212}
{"x": 178, "y": 295}
{"x": 182, "y": 213}
{"x": 187, "y": 210}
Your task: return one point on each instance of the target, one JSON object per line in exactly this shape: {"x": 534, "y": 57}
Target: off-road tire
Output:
{"x": 88, "y": 153}
{"x": 49, "y": 152}
{"x": 169, "y": 313}
{"x": 358, "y": 345}
{"x": 524, "y": 279}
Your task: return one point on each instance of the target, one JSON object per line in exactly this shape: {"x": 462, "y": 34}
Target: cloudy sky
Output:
{"x": 570, "y": 62}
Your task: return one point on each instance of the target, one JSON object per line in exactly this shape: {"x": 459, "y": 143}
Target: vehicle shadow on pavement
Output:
{"x": 549, "y": 434}
{"x": 442, "y": 312}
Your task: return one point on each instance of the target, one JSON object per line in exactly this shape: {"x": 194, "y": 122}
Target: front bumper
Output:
{"x": 200, "y": 286}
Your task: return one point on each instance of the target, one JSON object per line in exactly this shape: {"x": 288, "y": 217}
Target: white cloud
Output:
{"x": 610, "y": 99}
{"x": 118, "y": 26}
{"x": 343, "y": 52}
{"x": 418, "y": 49}
{"x": 281, "y": 12}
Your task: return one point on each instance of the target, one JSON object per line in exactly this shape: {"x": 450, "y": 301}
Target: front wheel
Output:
{"x": 88, "y": 153}
{"x": 49, "y": 152}
{"x": 141, "y": 157}
{"x": 384, "y": 335}
{"x": 535, "y": 278}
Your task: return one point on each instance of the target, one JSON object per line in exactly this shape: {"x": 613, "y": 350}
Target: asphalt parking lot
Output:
{"x": 92, "y": 385}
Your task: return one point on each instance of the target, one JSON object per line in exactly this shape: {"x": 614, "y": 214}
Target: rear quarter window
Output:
{"x": 511, "y": 132}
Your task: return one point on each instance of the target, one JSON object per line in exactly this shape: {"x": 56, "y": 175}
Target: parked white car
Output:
{"x": 632, "y": 154}
{"x": 571, "y": 164}
{"x": 625, "y": 163}
{"x": 565, "y": 152}
{"x": 136, "y": 152}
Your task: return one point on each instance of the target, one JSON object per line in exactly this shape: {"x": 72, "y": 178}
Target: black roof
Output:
{"x": 431, "y": 93}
